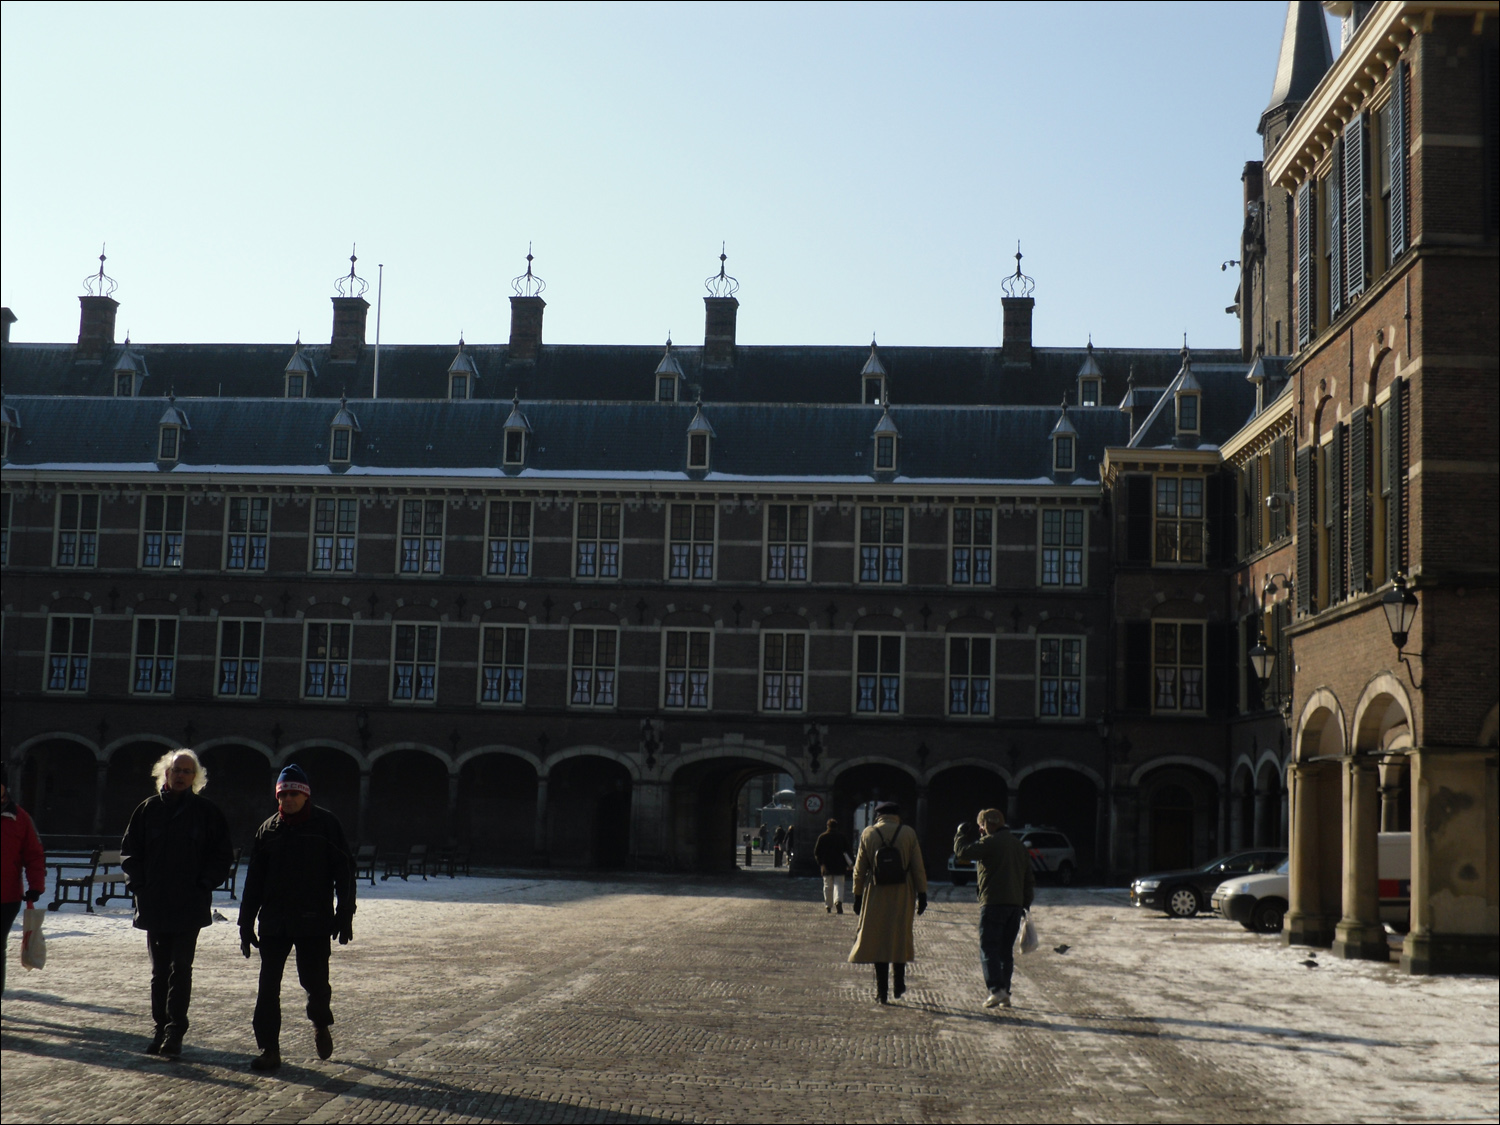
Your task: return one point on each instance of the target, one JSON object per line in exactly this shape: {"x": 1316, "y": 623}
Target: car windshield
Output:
{"x": 1285, "y": 867}
{"x": 1214, "y": 864}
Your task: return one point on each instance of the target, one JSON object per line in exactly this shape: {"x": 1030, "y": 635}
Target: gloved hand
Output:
{"x": 247, "y": 939}
{"x": 343, "y": 929}
{"x": 921, "y": 902}
{"x": 31, "y": 897}
{"x": 968, "y": 832}
{"x": 858, "y": 902}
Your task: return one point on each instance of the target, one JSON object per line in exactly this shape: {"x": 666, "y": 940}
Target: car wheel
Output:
{"x": 1268, "y": 916}
{"x": 1065, "y": 873}
{"x": 1182, "y": 902}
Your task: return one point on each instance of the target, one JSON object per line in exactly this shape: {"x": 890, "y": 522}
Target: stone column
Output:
{"x": 453, "y": 806}
{"x": 1261, "y": 837}
{"x": 539, "y": 829}
{"x": 363, "y": 822}
{"x": 1012, "y": 806}
{"x": 101, "y": 787}
{"x": 650, "y": 842}
{"x": 1359, "y": 934}
{"x": 1392, "y": 773}
{"x": 1237, "y": 823}
{"x": 1305, "y": 924}
{"x": 1123, "y": 829}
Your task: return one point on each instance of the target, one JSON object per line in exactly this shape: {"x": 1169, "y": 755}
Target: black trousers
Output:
{"x": 8, "y": 912}
{"x": 312, "y": 971}
{"x": 882, "y": 978}
{"x": 171, "y": 976}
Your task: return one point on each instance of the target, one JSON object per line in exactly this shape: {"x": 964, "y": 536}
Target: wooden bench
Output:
{"x": 453, "y": 859}
{"x": 232, "y": 880}
{"x": 406, "y": 864}
{"x": 77, "y": 888}
{"x": 364, "y": 863}
{"x": 111, "y": 883}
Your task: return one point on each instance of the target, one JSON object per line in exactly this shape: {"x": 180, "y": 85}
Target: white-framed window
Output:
{"x": 690, "y": 552}
{"x": 502, "y": 666}
{"x": 155, "y": 656}
{"x": 882, "y": 544}
{"x": 1063, "y": 448}
{"x": 77, "y": 529}
{"x": 698, "y": 451}
{"x": 687, "y": 668}
{"x": 874, "y": 390}
{"x": 169, "y": 443}
{"x": 666, "y": 388}
{"x": 68, "y": 640}
{"x": 970, "y": 679}
{"x": 1062, "y": 547}
{"x": 783, "y": 676}
{"x": 596, "y": 539}
{"x": 162, "y": 531}
{"x": 1187, "y": 412}
{"x": 249, "y": 528}
{"x": 1179, "y": 520}
{"x": 973, "y": 552}
{"x": 422, "y": 536}
{"x": 507, "y": 550}
{"x": 124, "y": 384}
{"x": 877, "y": 673}
{"x": 335, "y": 533}
{"x": 458, "y": 386}
{"x": 1059, "y": 677}
{"x": 325, "y": 660}
{"x": 1177, "y": 654}
{"x": 296, "y": 385}
{"x": 414, "y": 663}
{"x": 885, "y": 453}
{"x": 592, "y": 666}
{"x": 239, "y": 658}
{"x": 340, "y": 443}
{"x": 787, "y": 542}
{"x": 1088, "y": 392}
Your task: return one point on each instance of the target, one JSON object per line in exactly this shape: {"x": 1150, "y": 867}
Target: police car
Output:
{"x": 1050, "y": 850}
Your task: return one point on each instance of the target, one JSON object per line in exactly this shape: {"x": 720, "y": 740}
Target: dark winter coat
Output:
{"x": 176, "y": 850}
{"x": 831, "y": 851}
{"x": 295, "y": 869}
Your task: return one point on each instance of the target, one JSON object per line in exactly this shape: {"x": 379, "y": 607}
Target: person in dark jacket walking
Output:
{"x": 176, "y": 850}
{"x": 1007, "y": 885}
{"x": 20, "y": 853}
{"x": 299, "y": 862}
{"x": 831, "y": 853}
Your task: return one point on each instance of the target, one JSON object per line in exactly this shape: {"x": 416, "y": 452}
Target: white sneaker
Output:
{"x": 1005, "y": 999}
{"x": 998, "y": 1000}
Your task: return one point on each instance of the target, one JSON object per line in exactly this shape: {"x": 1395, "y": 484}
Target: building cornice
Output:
{"x": 1124, "y": 459}
{"x": 1381, "y": 38}
{"x": 1261, "y": 430}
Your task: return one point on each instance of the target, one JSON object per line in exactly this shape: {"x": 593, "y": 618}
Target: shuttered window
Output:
{"x": 1359, "y": 501}
{"x": 1307, "y": 226}
{"x": 1280, "y": 527}
{"x": 1356, "y": 207}
{"x": 1400, "y": 128}
{"x": 1306, "y": 548}
{"x": 1335, "y": 251}
{"x": 1335, "y": 494}
{"x": 1394, "y": 479}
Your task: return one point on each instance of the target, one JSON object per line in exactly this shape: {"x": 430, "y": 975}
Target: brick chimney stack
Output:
{"x": 7, "y": 318}
{"x": 349, "y": 316}
{"x": 1016, "y": 305}
{"x": 96, "y": 326}
{"x": 719, "y": 315}
{"x": 525, "y": 329}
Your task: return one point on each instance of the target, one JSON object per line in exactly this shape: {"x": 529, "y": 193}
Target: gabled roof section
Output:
{"x": 669, "y": 365}
{"x": 700, "y": 424}
{"x": 873, "y": 366}
{"x": 173, "y": 415}
{"x": 1064, "y": 425}
{"x": 1227, "y": 402}
{"x": 345, "y": 417}
{"x": 1090, "y": 368}
{"x": 129, "y": 362}
{"x": 1306, "y": 55}
{"x": 298, "y": 364}
{"x": 462, "y": 363}
{"x": 887, "y": 425}
{"x": 517, "y": 420}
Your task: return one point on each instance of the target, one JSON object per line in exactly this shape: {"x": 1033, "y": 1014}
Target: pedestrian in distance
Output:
{"x": 831, "y": 853}
{"x": 299, "y": 863}
{"x": 786, "y": 844}
{"x": 890, "y": 889}
{"x": 20, "y": 854}
{"x": 761, "y": 839}
{"x": 175, "y": 851}
{"x": 1006, "y": 889}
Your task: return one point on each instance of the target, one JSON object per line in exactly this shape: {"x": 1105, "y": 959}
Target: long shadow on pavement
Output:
{"x": 115, "y": 1050}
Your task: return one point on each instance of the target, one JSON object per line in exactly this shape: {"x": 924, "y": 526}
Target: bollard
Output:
{"x": 776, "y": 852}
{"x": 749, "y": 853}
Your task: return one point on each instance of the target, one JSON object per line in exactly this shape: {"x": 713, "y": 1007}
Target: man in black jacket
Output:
{"x": 175, "y": 851}
{"x": 300, "y": 860}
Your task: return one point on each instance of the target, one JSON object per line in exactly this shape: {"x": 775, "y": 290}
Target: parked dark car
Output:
{"x": 1183, "y": 893}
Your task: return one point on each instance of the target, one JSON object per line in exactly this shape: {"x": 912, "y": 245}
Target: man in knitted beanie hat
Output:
{"x": 299, "y": 862}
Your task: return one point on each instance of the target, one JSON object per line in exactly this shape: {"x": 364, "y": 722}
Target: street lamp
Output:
{"x": 1400, "y": 606}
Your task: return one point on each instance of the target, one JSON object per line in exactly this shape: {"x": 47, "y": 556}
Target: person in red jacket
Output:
{"x": 20, "y": 850}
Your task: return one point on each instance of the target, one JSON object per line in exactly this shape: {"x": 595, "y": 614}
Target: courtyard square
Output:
{"x": 658, "y": 998}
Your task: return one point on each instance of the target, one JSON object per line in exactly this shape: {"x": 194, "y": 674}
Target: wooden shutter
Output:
{"x": 1307, "y": 226}
{"x": 1219, "y": 654}
{"x": 1138, "y": 512}
{"x": 1254, "y": 490}
{"x": 1396, "y": 176}
{"x": 1306, "y": 556}
{"x": 1138, "y": 665}
{"x": 1336, "y": 232}
{"x": 1395, "y": 474}
{"x": 1359, "y": 501}
{"x": 1279, "y": 485}
{"x": 1356, "y": 208}
{"x": 1337, "y": 510}
{"x": 1281, "y": 618}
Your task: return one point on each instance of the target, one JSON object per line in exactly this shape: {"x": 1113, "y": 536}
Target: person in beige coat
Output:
{"x": 886, "y": 909}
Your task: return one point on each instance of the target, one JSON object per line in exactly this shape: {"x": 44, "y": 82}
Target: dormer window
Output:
{"x": 517, "y": 428}
{"x": 1064, "y": 443}
{"x": 1187, "y": 413}
{"x": 298, "y": 372}
{"x": 1090, "y": 379}
{"x": 461, "y": 374}
{"x": 700, "y": 437}
{"x": 873, "y": 377}
{"x": 124, "y": 384}
{"x": 341, "y": 435}
{"x": 1088, "y": 392}
{"x": 169, "y": 434}
{"x": 1188, "y": 392}
{"x": 886, "y": 438}
{"x": 668, "y": 376}
{"x": 129, "y": 370}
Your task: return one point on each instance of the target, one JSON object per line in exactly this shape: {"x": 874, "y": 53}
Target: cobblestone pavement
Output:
{"x": 649, "y": 999}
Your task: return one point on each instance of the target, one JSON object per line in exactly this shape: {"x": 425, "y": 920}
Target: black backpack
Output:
{"x": 888, "y": 866}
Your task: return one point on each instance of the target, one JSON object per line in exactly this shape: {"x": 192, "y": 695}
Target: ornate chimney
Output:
{"x": 96, "y": 317}
{"x": 350, "y": 311}
{"x": 1015, "y": 337}
{"x": 720, "y": 310}
{"x": 526, "y": 309}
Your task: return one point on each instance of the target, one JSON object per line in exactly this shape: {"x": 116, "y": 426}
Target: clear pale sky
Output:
{"x": 870, "y": 167}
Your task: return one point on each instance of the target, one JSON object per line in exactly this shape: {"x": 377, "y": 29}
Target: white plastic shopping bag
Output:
{"x": 33, "y": 941}
{"x": 1029, "y": 939}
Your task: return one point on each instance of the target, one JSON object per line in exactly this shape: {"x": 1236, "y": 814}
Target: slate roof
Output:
{"x": 622, "y": 441}
{"x": 1225, "y": 404}
{"x": 947, "y": 376}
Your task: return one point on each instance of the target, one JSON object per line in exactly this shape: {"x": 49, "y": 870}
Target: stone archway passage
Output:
{"x": 1066, "y": 800}
{"x": 58, "y": 788}
{"x": 954, "y": 796}
{"x": 497, "y": 808}
{"x": 856, "y": 788}
{"x": 243, "y": 786}
{"x": 334, "y": 777}
{"x": 408, "y": 801}
{"x": 588, "y": 813}
{"x": 705, "y": 810}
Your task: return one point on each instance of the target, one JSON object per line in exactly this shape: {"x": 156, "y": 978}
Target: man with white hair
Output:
{"x": 176, "y": 850}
